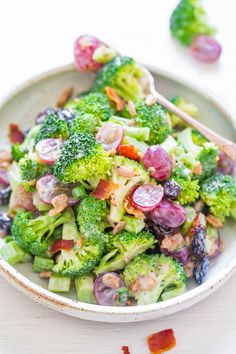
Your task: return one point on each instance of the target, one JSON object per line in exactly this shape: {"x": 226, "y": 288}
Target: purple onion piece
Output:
{"x": 225, "y": 165}
{"x": 181, "y": 255}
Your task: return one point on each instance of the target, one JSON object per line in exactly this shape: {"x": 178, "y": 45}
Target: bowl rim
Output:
{"x": 64, "y": 304}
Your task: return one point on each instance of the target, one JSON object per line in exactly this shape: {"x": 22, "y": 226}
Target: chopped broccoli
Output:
{"x": 81, "y": 158}
{"x": 133, "y": 224}
{"x": 95, "y": 103}
{"x": 189, "y": 20}
{"x": 32, "y": 169}
{"x": 84, "y": 122}
{"x": 42, "y": 264}
{"x": 52, "y": 127}
{"x": 81, "y": 259}
{"x": 198, "y": 138}
{"x": 125, "y": 184}
{"x": 122, "y": 248}
{"x": 59, "y": 284}
{"x": 12, "y": 253}
{"x": 122, "y": 74}
{"x": 92, "y": 216}
{"x": 33, "y": 234}
{"x": 138, "y": 133}
{"x": 163, "y": 275}
{"x": 218, "y": 192}
{"x": 206, "y": 154}
{"x": 189, "y": 187}
{"x": 189, "y": 108}
{"x": 19, "y": 150}
{"x": 152, "y": 117}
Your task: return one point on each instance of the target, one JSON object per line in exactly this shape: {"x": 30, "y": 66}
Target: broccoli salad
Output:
{"x": 111, "y": 193}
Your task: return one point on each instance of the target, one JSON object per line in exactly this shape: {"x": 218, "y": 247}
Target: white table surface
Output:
{"x": 38, "y": 35}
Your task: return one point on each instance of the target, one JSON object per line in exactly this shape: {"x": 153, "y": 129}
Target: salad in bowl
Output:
{"x": 113, "y": 194}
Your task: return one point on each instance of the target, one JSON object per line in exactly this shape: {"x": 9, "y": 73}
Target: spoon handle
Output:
{"x": 225, "y": 145}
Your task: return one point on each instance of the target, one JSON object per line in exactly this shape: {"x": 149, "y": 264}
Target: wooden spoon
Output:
{"x": 225, "y": 145}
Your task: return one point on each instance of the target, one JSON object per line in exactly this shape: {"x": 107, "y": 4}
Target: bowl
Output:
{"x": 34, "y": 96}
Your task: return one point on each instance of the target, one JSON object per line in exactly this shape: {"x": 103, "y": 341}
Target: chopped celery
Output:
{"x": 59, "y": 284}
{"x": 41, "y": 264}
{"x": 84, "y": 289}
{"x": 13, "y": 253}
{"x": 79, "y": 192}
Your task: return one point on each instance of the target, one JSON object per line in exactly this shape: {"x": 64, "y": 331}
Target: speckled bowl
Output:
{"x": 43, "y": 91}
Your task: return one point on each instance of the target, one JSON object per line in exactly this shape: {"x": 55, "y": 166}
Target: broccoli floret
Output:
{"x": 19, "y": 150}
{"x": 81, "y": 158}
{"x": 164, "y": 275}
{"x": 81, "y": 259}
{"x": 125, "y": 184}
{"x": 53, "y": 127}
{"x": 138, "y": 133}
{"x": 31, "y": 169}
{"x": 152, "y": 117}
{"x": 189, "y": 20}
{"x": 122, "y": 74}
{"x": 84, "y": 122}
{"x": 92, "y": 216}
{"x": 198, "y": 138}
{"x": 122, "y": 248}
{"x": 189, "y": 108}
{"x": 219, "y": 192}
{"x": 133, "y": 224}
{"x": 189, "y": 187}
{"x": 95, "y": 103}
{"x": 33, "y": 234}
{"x": 206, "y": 154}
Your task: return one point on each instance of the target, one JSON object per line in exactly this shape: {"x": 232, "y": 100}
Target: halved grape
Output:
{"x": 48, "y": 187}
{"x": 147, "y": 196}
{"x": 158, "y": 162}
{"x": 168, "y": 214}
{"x": 109, "y": 290}
{"x": 84, "y": 49}
{"x": 206, "y": 49}
{"x": 225, "y": 165}
{"x": 110, "y": 136}
{"x": 48, "y": 150}
{"x": 181, "y": 255}
{"x": 4, "y": 181}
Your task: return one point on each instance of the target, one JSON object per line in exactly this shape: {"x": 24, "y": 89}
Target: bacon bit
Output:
{"x": 45, "y": 275}
{"x": 64, "y": 97}
{"x": 189, "y": 268}
{"x": 15, "y": 134}
{"x": 130, "y": 209}
{"x": 62, "y": 245}
{"x": 131, "y": 108}
{"x": 111, "y": 280}
{"x": 118, "y": 227}
{"x": 125, "y": 349}
{"x": 129, "y": 151}
{"x": 113, "y": 96}
{"x": 214, "y": 221}
{"x": 60, "y": 202}
{"x": 104, "y": 189}
{"x": 162, "y": 341}
{"x": 172, "y": 242}
{"x": 198, "y": 169}
{"x": 125, "y": 172}
{"x": 150, "y": 100}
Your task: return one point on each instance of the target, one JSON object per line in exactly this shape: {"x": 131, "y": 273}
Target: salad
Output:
{"x": 113, "y": 194}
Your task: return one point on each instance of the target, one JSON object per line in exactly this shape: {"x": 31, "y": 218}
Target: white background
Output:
{"x": 38, "y": 35}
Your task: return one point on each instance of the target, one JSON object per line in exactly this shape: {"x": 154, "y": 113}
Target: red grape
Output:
{"x": 158, "y": 162}
{"x": 206, "y": 49}
{"x": 168, "y": 214}
{"x": 48, "y": 150}
{"x": 110, "y": 136}
{"x": 83, "y": 52}
{"x": 147, "y": 196}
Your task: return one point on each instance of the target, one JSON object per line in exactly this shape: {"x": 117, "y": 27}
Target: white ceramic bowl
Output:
{"x": 41, "y": 92}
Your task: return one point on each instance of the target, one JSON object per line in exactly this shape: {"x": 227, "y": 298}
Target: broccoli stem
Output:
{"x": 84, "y": 289}
{"x": 42, "y": 264}
{"x": 13, "y": 253}
{"x": 58, "y": 284}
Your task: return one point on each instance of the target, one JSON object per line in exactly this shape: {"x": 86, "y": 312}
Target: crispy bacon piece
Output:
{"x": 162, "y": 341}
{"x": 129, "y": 151}
{"x": 125, "y": 349}
{"x": 130, "y": 209}
{"x": 104, "y": 189}
{"x": 62, "y": 245}
{"x": 113, "y": 96}
{"x": 15, "y": 134}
